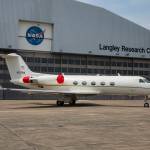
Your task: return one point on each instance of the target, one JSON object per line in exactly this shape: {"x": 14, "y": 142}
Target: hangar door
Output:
{"x": 35, "y": 36}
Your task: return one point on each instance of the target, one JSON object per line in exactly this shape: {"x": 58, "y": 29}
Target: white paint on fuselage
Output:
{"x": 124, "y": 85}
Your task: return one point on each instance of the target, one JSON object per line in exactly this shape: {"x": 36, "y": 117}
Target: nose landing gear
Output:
{"x": 146, "y": 104}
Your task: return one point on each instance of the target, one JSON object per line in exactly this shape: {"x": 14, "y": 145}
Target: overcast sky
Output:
{"x": 137, "y": 11}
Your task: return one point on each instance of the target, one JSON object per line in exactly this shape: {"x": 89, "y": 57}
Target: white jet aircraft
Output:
{"x": 69, "y": 87}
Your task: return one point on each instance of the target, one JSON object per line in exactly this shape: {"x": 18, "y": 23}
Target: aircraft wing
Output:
{"x": 34, "y": 91}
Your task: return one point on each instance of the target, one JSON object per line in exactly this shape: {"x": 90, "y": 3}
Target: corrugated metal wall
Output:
{"x": 11, "y": 11}
{"x": 83, "y": 27}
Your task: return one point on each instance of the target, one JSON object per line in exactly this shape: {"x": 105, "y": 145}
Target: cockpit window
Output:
{"x": 144, "y": 80}
{"x": 141, "y": 80}
{"x": 147, "y": 80}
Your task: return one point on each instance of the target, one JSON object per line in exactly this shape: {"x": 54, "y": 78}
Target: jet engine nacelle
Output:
{"x": 29, "y": 79}
{"x": 46, "y": 80}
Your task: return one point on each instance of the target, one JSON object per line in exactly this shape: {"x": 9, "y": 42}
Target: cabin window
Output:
{"x": 75, "y": 82}
{"x": 102, "y": 83}
{"x": 93, "y": 83}
{"x": 141, "y": 80}
{"x": 112, "y": 83}
{"x": 84, "y": 83}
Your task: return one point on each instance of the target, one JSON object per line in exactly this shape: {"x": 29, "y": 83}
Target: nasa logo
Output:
{"x": 35, "y": 35}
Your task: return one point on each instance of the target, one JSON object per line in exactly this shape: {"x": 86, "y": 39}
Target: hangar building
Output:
{"x": 71, "y": 37}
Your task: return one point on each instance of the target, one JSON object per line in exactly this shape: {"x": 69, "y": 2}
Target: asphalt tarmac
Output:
{"x": 90, "y": 125}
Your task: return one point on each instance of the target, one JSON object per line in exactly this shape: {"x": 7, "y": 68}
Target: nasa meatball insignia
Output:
{"x": 35, "y": 35}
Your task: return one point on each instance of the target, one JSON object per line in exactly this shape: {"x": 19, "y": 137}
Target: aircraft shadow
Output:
{"x": 44, "y": 106}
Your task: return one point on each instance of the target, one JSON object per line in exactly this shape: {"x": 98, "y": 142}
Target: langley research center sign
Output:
{"x": 124, "y": 51}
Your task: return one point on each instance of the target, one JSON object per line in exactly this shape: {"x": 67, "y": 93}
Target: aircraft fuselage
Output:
{"x": 113, "y": 85}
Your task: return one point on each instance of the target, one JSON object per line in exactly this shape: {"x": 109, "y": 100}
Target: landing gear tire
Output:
{"x": 60, "y": 103}
{"x": 72, "y": 102}
{"x": 146, "y": 105}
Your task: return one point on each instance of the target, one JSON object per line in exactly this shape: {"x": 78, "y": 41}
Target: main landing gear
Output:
{"x": 72, "y": 102}
{"x": 146, "y": 104}
{"x": 61, "y": 103}
{"x": 66, "y": 99}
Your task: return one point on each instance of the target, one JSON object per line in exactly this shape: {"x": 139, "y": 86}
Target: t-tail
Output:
{"x": 16, "y": 66}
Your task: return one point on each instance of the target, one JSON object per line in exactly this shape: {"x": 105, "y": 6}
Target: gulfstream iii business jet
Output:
{"x": 69, "y": 87}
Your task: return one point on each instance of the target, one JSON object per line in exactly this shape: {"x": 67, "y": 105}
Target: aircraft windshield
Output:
{"x": 144, "y": 80}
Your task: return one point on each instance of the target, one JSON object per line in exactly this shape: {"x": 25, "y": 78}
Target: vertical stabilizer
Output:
{"x": 16, "y": 66}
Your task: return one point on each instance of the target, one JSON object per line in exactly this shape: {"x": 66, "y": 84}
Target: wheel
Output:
{"x": 146, "y": 105}
{"x": 72, "y": 102}
{"x": 60, "y": 103}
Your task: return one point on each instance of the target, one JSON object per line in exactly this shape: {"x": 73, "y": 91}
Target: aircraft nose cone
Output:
{"x": 60, "y": 78}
